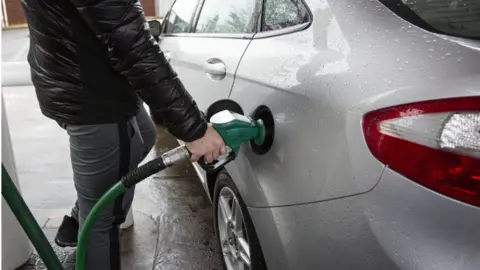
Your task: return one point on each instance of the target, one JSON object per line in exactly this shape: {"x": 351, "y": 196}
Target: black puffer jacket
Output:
{"x": 94, "y": 61}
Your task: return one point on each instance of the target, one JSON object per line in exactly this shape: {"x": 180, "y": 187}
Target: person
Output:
{"x": 93, "y": 64}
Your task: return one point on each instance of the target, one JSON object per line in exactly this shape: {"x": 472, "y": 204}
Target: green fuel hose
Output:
{"x": 84, "y": 237}
{"x": 34, "y": 232}
{"x": 129, "y": 180}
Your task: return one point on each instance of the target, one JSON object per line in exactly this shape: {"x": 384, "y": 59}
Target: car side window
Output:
{"x": 226, "y": 16}
{"x": 278, "y": 14}
{"x": 179, "y": 17}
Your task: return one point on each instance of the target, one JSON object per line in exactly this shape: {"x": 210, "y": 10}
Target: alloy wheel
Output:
{"x": 232, "y": 231}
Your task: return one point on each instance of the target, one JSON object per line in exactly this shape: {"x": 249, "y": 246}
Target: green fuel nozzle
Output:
{"x": 235, "y": 130}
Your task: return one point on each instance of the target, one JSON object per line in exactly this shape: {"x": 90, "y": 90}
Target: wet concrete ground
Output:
{"x": 173, "y": 217}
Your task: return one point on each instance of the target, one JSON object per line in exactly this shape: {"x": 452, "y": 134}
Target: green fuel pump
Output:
{"x": 234, "y": 128}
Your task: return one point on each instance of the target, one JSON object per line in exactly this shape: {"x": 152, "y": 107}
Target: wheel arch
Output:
{"x": 211, "y": 181}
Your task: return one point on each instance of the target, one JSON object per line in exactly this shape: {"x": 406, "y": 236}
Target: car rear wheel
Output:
{"x": 238, "y": 242}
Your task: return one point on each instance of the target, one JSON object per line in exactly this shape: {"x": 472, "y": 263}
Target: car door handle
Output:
{"x": 215, "y": 68}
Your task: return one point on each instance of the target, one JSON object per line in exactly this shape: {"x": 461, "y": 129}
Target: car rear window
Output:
{"x": 451, "y": 17}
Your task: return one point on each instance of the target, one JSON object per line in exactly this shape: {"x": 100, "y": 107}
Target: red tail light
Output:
{"x": 434, "y": 143}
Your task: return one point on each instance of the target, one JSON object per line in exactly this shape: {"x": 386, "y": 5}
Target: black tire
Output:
{"x": 256, "y": 254}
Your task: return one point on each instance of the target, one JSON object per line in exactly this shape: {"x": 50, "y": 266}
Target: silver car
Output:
{"x": 375, "y": 162}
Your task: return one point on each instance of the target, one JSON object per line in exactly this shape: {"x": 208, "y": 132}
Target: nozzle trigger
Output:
{"x": 217, "y": 164}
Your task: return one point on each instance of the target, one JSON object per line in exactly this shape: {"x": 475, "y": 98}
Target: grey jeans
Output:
{"x": 101, "y": 155}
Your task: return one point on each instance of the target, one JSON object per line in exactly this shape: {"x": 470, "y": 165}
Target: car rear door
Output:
{"x": 205, "y": 41}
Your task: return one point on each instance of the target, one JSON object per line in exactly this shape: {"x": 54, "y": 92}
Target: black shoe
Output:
{"x": 67, "y": 233}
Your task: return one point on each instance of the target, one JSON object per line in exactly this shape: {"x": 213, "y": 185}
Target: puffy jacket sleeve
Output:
{"x": 122, "y": 27}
